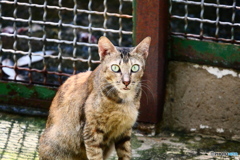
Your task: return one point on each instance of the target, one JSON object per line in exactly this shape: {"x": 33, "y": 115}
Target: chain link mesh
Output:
{"x": 214, "y": 20}
{"x": 44, "y": 42}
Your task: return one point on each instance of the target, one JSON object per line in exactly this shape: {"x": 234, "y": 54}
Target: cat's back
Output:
{"x": 75, "y": 83}
{"x": 78, "y": 79}
{"x": 72, "y": 94}
{"x": 66, "y": 108}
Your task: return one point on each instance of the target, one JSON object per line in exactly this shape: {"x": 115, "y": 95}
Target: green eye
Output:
{"x": 135, "y": 68}
{"x": 115, "y": 68}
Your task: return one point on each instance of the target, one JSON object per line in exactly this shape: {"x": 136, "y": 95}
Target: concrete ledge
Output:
{"x": 202, "y": 99}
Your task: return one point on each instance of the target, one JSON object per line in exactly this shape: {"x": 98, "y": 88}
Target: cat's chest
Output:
{"x": 120, "y": 120}
{"x": 111, "y": 117}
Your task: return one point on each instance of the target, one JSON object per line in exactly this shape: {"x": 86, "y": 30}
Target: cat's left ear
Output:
{"x": 143, "y": 47}
{"x": 105, "y": 47}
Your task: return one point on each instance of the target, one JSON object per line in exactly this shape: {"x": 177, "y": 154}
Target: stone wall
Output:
{"x": 202, "y": 99}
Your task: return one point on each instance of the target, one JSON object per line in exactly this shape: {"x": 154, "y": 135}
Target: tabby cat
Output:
{"x": 93, "y": 112}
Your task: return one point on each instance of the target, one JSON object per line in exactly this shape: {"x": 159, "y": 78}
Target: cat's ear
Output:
{"x": 105, "y": 47}
{"x": 143, "y": 47}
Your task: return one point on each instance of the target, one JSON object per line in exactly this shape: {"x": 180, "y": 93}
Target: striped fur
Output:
{"x": 93, "y": 112}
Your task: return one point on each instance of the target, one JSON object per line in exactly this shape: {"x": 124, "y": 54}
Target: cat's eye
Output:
{"x": 115, "y": 68}
{"x": 135, "y": 68}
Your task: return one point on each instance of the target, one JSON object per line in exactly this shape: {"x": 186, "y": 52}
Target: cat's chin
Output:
{"x": 126, "y": 88}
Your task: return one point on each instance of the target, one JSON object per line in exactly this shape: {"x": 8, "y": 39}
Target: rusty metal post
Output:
{"x": 151, "y": 19}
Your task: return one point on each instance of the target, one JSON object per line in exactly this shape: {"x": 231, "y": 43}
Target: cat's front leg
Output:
{"x": 123, "y": 146}
{"x": 93, "y": 138}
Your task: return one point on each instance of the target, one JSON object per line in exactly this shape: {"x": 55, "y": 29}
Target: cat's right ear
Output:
{"x": 105, "y": 47}
{"x": 143, "y": 47}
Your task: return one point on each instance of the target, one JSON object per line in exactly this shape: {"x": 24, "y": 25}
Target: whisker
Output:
{"x": 145, "y": 80}
{"x": 110, "y": 90}
{"x": 105, "y": 86}
{"x": 149, "y": 89}
{"x": 145, "y": 94}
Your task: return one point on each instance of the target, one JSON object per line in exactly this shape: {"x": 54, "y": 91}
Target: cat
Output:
{"x": 93, "y": 112}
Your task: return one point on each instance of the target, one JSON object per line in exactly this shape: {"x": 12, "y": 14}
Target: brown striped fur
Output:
{"x": 93, "y": 112}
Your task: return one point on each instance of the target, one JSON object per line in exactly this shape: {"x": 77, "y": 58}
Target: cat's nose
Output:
{"x": 126, "y": 79}
{"x": 126, "y": 83}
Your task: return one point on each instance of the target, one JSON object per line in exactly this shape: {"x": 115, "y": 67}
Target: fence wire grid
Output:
{"x": 46, "y": 41}
{"x": 214, "y": 20}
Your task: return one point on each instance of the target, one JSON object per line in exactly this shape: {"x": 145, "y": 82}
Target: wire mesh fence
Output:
{"x": 44, "y": 42}
{"x": 214, "y": 20}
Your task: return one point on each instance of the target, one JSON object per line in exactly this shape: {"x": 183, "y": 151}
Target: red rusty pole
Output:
{"x": 151, "y": 19}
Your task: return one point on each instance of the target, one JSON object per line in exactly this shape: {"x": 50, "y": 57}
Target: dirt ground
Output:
{"x": 19, "y": 141}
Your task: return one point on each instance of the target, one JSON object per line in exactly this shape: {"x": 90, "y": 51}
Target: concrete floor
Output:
{"x": 19, "y": 138}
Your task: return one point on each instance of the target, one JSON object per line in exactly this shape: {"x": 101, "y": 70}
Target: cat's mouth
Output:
{"x": 126, "y": 88}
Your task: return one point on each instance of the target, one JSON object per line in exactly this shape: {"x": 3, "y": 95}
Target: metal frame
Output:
{"x": 217, "y": 44}
{"x": 151, "y": 19}
{"x": 59, "y": 41}
{"x": 38, "y": 94}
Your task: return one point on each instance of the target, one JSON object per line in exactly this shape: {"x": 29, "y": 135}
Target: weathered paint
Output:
{"x": 45, "y": 93}
{"x": 204, "y": 52}
{"x": 26, "y": 95}
{"x": 219, "y": 73}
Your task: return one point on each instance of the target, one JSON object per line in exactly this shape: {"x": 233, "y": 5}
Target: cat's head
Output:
{"x": 123, "y": 68}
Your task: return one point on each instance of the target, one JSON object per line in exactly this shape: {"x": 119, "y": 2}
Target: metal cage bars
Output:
{"x": 59, "y": 40}
{"x": 186, "y": 18}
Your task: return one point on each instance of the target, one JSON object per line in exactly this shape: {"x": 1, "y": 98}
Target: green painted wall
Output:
{"x": 26, "y": 95}
{"x": 203, "y": 52}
